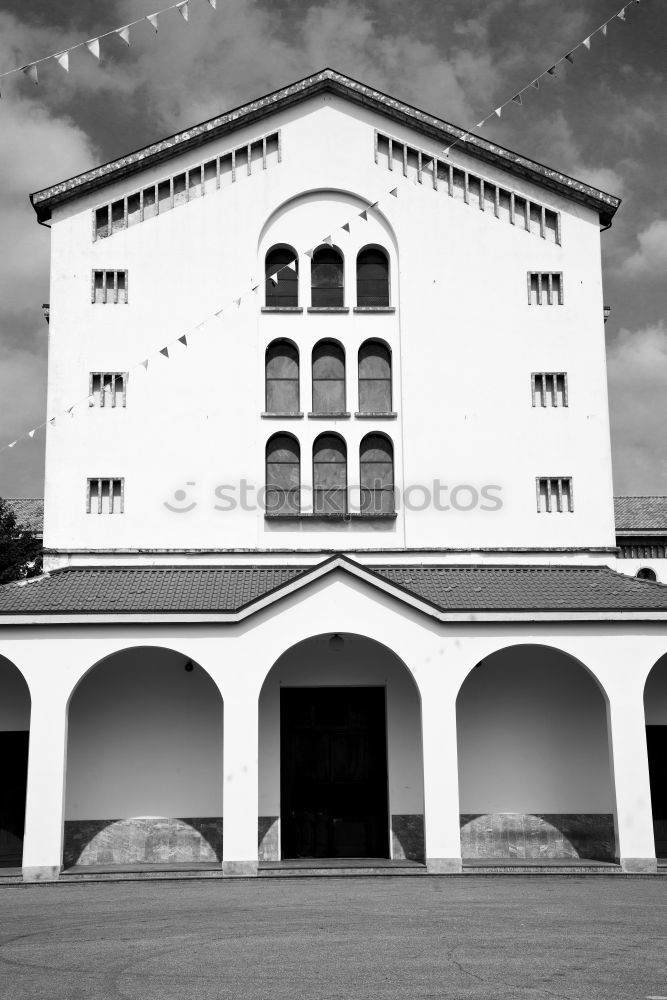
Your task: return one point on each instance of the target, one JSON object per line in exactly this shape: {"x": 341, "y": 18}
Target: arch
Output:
{"x": 341, "y": 197}
{"x": 535, "y": 776}
{"x": 375, "y": 388}
{"x": 15, "y": 705}
{"x": 329, "y": 474}
{"x": 327, "y": 278}
{"x": 655, "y": 714}
{"x": 320, "y": 680}
{"x": 283, "y": 474}
{"x": 282, "y": 377}
{"x": 328, "y": 376}
{"x": 282, "y": 282}
{"x": 646, "y": 573}
{"x": 372, "y": 278}
{"x": 376, "y": 474}
{"x": 144, "y": 780}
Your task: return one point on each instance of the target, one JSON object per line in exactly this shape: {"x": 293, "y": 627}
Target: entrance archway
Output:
{"x": 144, "y": 763}
{"x": 655, "y": 712}
{"x": 340, "y": 753}
{"x": 534, "y": 769}
{"x": 14, "y": 736}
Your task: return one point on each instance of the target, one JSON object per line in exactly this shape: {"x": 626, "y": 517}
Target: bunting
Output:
{"x": 183, "y": 10}
{"x": 152, "y": 19}
{"x": 165, "y": 351}
{"x": 63, "y": 60}
{"x": 124, "y": 33}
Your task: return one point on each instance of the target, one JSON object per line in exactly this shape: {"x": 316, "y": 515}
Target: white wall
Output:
{"x": 14, "y": 698}
{"x": 361, "y": 663}
{"x": 655, "y": 694}
{"x": 145, "y": 739}
{"x": 532, "y": 736}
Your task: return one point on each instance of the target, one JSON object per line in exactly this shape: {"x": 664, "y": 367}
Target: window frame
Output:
{"x": 374, "y": 248}
{"x": 318, "y": 490}
{"x": 297, "y": 380}
{"x": 328, "y": 413}
{"x": 270, "y": 487}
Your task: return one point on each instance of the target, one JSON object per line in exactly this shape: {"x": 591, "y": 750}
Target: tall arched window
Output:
{"x": 374, "y": 377}
{"x": 282, "y": 377}
{"x": 376, "y": 461}
{"x": 283, "y": 475}
{"x": 283, "y": 291}
{"x": 372, "y": 278}
{"x": 328, "y": 377}
{"x": 329, "y": 475}
{"x": 326, "y": 278}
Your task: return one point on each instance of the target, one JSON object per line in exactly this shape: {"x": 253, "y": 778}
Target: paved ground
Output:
{"x": 502, "y": 938}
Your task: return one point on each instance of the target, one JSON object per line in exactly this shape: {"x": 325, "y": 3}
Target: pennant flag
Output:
{"x": 363, "y": 215}
{"x": 165, "y": 351}
{"x": 183, "y": 10}
{"x": 52, "y": 421}
{"x": 183, "y": 340}
{"x": 328, "y": 240}
{"x": 31, "y": 433}
{"x": 309, "y": 253}
{"x": 535, "y": 83}
{"x": 255, "y": 288}
{"x": 587, "y": 42}
{"x": 31, "y": 73}
{"x": 552, "y": 71}
{"x": 213, "y": 3}
{"x": 604, "y": 30}
{"x": 63, "y": 60}
{"x": 479, "y": 124}
{"x": 570, "y": 57}
{"x": 237, "y": 303}
{"x": 274, "y": 277}
{"x": 152, "y": 19}
{"x": 374, "y": 205}
{"x": 621, "y": 14}
{"x": 12, "y": 444}
{"x": 145, "y": 364}
{"x": 346, "y": 227}
{"x": 124, "y": 33}
{"x": 93, "y": 47}
{"x": 394, "y": 191}
{"x": 71, "y": 411}
{"x": 219, "y": 313}
{"x": 517, "y": 99}
{"x": 498, "y": 112}
{"x": 291, "y": 266}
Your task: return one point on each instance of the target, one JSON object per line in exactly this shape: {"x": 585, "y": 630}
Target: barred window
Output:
{"x": 109, "y": 286}
{"x": 107, "y": 389}
{"x": 554, "y": 495}
{"x": 549, "y": 388}
{"x": 545, "y": 288}
{"x": 105, "y": 496}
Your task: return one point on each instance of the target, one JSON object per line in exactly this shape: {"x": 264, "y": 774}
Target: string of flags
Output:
{"x": 328, "y": 240}
{"x": 92, "y": 45}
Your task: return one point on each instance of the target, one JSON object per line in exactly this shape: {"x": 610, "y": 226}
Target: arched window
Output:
{"x": 374, "y": 377}
{"x": 646, "y": 573}
{"x": 372, "y": 278}
{"x": 283, "y": 475}
{"x": 283, "y": 290}
{"x": 282, "y": 377}
{"x": 326, "y": 271}
{"x": 328, "y": 377}
{"x": 376, "y": 460}
{"x": 329, "y": 475}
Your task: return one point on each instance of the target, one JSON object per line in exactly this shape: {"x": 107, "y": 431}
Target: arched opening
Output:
{"x": 327, "y": 278}
{"x": 282, "y": 378}
{"x": 376, "y": 468}
{"x": 372, "y": 278}
{"x": 655, "y": 711}
{"x": 374, "y": 377}
{"x": 646, "y": 573}
{"x": 328, "y": 377}
{"x": 283, "y": 475}
{"x": 329, "y": 475}
{"x": 282, "y": 278}
{"x": 340, "y": 753}
{"x": 144, "y": 763}
{"x": 14, "y": 737}
{"x": 534, "y": 769}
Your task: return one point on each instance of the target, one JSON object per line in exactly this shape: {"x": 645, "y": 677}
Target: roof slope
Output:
{"x": 640, "y": 513}
{"x": 175, "y": 589}
{"x": 327, "y": 80}
{"x": 28, "y": 510}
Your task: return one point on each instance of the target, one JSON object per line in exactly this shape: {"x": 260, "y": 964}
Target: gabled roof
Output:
{"x": 29, "y": 511}
{"x": 233, "y": 593}
{"x": 640, "y": 513}
{"x": 328, "y": 80}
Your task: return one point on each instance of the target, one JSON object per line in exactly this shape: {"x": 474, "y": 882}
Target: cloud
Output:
{"x": 637, "y": 372}
{"x": 650, "y": 259}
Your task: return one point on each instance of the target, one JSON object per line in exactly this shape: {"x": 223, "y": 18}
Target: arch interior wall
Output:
{"x": 655, "y": 710}
{"x": 14, "y": 736}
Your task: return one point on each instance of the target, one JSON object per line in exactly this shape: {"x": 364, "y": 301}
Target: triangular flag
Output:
{"x": 535, "y": 84}
{"x": 124, "y": 33}
{"x": 31, "y": 72}
{"x": 587, "y": 42}
{"x": 479, "y": 124}
{"x": 63, "y": 60}
{"x": 213, "y": 3}
{"x": 183, "y": 340}
{"x": 346, "y": 227}
{"x": 71, "y": 411}
{"x": 570, "y": 57}
{"x": 604, "y": 30}
{"x": 621, "y": 14}
{"x": 255, "y": 288}
{"x": 374, "y": 205}
{"x": 152, "y": 19}
{"x": 274, "y": 277}
{"x": 291, "y": 266}
{"x": 498, "y": 112}
{"x": 31, "y": 433}
{"x": 93, "y": 47}
{"x": 552, "y": 71}
{"x": 183, "y": 10}
{"x": 328, "y": 240}
{"x": 394, "y": 191}
{"x": 165, "y": 351}
{"x": 145, "y": 364}
{"x": 52, "y": 421}
{"x": 219, "y": 313}
{"x": 12, "y": 444}
{"x": 517, "y": 99}
{"x": 309, "y": 253}
{"x": 237, "y": 303}
{"x": 363, "y": 215}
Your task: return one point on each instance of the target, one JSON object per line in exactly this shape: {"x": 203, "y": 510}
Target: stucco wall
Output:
{"x": 14, "y": 698}
{"x": 145, "y": 739}
{"x": 532, "y": 736}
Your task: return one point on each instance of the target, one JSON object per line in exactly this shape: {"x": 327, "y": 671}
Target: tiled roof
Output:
{"x": 326, "y": 81}
{"x": 175, "y": 589}
{"x": 28, "y": 510}
{"x": 640, "y": 513}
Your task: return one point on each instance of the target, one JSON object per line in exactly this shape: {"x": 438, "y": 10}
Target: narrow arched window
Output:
{"x": 282, "y": 282}
{"x": 282, "y": 377}
{"x": 283, "y": 475}
{"x": 326, "y": 270}
{"x": 328, "y": 377}
{"x": 374, "y": 377}
{"x": 329, "y": 475}
{"x": 376, "y": 461}
{"x": 372, "y": 278}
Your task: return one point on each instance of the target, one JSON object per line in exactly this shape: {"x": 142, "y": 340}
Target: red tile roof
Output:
{"x": 640, "y": 513}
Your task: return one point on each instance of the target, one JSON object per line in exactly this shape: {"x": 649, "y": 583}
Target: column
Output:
{"x": 45, "y": 792}
{"x": 633, "y": 819}
{"x": 441, "y": 779}
{"x": 241, "y": 788}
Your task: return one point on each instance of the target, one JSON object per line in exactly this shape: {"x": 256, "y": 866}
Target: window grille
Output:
{"x": 554, "y": 495}
{"x": 109, "y": 286}
{"x": 107, "y": 389}
{"x": 549, "y": 388}
{"x": 545, "y": 288}
{"x": 105, "y": 496}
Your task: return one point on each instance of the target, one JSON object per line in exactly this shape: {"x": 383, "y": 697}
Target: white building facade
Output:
{"x": 331, "y": 574}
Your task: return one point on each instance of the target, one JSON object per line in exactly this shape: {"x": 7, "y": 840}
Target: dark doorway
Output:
{"x": 333, "y": 773}
{"x": 656, "y": 742}
{"x": 13, "y": 776}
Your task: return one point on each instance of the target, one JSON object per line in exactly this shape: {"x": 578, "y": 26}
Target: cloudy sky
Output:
{"x": 604, "y": 121}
